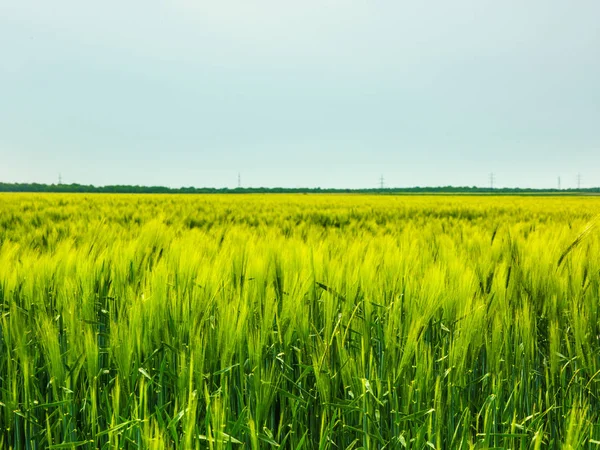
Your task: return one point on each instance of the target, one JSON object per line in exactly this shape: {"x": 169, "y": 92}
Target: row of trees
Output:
{"x": 126, "y": 189}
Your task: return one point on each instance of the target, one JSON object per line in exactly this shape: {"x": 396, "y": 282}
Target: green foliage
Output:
{"x": 128, "y": 189}
{"x": 301, "y": 322}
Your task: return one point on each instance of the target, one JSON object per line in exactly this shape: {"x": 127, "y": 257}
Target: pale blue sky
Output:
{"x": 300, "y": 93}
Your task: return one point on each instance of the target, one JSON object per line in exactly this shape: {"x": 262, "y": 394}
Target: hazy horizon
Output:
{"x": 61, "y": 182}
{"x": 306, "y": 94}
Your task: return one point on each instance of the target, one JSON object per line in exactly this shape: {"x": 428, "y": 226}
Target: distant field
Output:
{"x": 299, "y": 322}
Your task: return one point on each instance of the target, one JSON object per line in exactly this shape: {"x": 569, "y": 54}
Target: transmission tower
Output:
{"x": 239, "y": 180}
{"x": 381, "y": 183}
{"x": 59, "y": 179}
{"x": 492, "y": 179}
{"x": 578, "y": 181}
{"x": 559, "y": 183}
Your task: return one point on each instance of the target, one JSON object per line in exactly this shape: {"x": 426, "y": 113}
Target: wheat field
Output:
{"x": 299, "y": 322}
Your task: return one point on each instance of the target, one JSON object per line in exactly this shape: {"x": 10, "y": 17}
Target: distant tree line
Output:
{"x": 126, "y": 189}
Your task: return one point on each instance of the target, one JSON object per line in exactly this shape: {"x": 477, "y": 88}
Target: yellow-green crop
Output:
{"x": 299, "y": 322}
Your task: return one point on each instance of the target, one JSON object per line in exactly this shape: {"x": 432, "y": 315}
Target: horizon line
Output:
{"x": 54, "y": 187}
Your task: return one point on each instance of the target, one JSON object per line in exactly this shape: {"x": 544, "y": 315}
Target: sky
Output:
{"x": 310, "y": 93}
